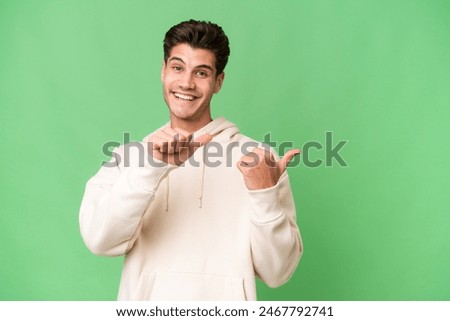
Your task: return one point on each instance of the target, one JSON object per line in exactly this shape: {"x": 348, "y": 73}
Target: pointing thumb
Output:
{"x": 283, "y": 163}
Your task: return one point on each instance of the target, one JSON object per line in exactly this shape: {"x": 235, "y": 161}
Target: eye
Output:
{"x": 176, "y": 68}
{"x": 202, "y": 73}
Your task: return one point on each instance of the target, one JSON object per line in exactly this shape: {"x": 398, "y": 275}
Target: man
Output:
{"x": 192, "y": 226}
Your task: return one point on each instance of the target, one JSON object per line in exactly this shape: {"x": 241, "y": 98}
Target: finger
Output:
{"x": 240, "y": 167}
{"x": 171, "y": 133}
{"x": 178, "y": 139}
{"x": 199, "y": 142}
{"x": 183, "y": 138}
{"x": 203, "y": 139}
{"x": 165, "y": 133}
{"x": 251, "y": 159}
{"x": 184, "y": 135}
{"x": 266, "y": 155}
{"x": 168, "y": 144}
{"x": 158, "y": 143}
{"x": 262, "y": 151}
{"x": 283, "y": 163}
{"x": 178, "y": 135}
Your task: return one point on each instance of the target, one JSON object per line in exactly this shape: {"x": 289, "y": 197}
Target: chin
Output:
{"x": 181, "y": 115}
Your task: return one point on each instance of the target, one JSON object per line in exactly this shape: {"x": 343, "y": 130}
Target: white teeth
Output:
{"x": 185, "y": 97}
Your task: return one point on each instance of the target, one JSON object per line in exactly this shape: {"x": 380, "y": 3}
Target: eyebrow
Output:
{"x": 199, "y": 66}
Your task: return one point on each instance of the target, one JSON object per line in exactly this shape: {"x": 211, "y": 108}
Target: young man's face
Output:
{"x": 189, "y": 81}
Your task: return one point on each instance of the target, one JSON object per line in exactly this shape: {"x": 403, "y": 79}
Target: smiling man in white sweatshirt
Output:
{"x": 192, "y": 227}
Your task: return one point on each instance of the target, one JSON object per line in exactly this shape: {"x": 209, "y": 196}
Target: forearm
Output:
{"x": 275, "y": 238}
{"x": 113, "y": 204}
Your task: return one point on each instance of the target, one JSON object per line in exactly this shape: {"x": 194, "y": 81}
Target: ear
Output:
{"x": 163, "y": 69}
{"x": 219, "y": 82}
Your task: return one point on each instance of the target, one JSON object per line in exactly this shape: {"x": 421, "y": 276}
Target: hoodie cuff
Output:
{"x": 265, "y": 204}
{"x": 150, "y": 175}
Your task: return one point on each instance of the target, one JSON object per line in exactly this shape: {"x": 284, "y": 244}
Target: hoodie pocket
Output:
{"x": 164, "y": 285}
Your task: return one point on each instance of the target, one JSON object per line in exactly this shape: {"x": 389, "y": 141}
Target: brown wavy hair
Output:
{"x": 201, "y": 35}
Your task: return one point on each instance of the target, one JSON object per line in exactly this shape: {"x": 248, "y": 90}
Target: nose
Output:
{"x": 186, "y": 81}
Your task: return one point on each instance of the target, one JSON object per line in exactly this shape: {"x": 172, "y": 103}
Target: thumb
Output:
{"x": 199, "y": 142}
{"x": 283, "y": 163}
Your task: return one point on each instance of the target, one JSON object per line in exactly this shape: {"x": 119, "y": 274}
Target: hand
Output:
{"x": 174, "y": 146}
{"x": 260, "y": 170}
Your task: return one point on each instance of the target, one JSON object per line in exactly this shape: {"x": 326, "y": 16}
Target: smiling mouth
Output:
{"x": 184, "y": 96}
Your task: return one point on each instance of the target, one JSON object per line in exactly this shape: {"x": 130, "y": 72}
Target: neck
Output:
{"x": 190, "y": 125}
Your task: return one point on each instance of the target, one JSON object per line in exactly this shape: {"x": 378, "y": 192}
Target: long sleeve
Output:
{"x": 275, "y": 238}
{"x": 114, "y": 202}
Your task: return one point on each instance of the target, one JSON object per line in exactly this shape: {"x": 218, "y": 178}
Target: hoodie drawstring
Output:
{"x": 167, "y": 193}
{"x": 202, "y": 180}
{"x": 202, "y": 184}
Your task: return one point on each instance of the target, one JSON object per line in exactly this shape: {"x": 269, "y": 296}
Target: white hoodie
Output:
{"x": 192, "y": 232}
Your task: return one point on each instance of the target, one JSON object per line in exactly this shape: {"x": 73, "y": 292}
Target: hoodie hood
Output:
{"x": 221, "y": 129}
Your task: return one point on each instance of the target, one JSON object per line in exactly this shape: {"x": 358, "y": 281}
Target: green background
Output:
{"x": 77, "y": 74}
